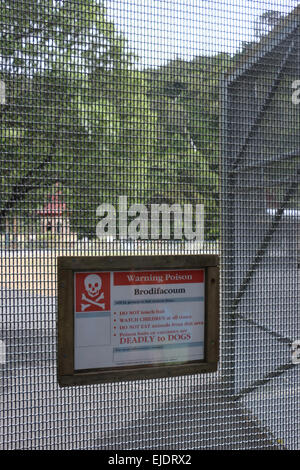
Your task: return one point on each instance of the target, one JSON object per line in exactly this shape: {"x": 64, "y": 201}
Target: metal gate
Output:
{"x": 261, "y": 229}
{"x": 106, "y": 99}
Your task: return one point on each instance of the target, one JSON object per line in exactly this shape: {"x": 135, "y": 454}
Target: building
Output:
{"x": 54, "y": 217}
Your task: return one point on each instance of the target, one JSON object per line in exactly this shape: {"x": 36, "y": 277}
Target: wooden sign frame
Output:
{"x": 67, "y": 266}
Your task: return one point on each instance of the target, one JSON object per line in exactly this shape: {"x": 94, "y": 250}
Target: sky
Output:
{"x": 160, "y": 30}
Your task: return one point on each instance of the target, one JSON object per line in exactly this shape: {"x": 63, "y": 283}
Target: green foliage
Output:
{"x": 78, "y": 112}
{"x": 185, "y": 96}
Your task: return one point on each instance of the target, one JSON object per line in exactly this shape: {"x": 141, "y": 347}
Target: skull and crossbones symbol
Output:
{"x": 92, "y": 284}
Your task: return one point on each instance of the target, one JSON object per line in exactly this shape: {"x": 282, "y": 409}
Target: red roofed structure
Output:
{"x": 54, "y": 216}
{"x": 55, "y": 208}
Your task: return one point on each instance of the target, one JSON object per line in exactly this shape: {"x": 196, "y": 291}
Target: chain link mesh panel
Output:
{"x": 101, "y": 99}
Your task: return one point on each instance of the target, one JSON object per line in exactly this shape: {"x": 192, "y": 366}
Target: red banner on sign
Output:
{"x": 158, "y": 277}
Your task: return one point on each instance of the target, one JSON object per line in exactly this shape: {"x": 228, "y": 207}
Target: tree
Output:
{"x": 117, "y": 163}
{"x": 59, "y": 62}
{"x": 185, "y": 96}
{"x": 266, "y": 22}
{"x": 78, "y": 112}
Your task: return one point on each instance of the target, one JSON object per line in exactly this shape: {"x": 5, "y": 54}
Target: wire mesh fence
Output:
{"x": 170, "y": 102}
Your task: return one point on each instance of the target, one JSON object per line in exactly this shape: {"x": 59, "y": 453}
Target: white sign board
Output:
{"x": 138, "y": 317}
